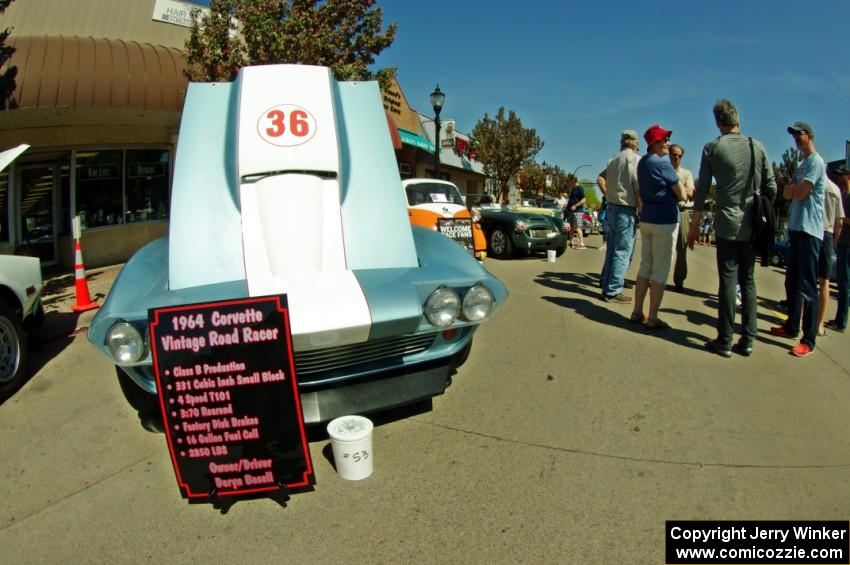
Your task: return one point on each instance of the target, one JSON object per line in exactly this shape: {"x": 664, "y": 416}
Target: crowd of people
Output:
{"x": 655, "y": 193}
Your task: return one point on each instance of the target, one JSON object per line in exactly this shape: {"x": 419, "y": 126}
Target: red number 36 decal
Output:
{"x": 286, "y": 125}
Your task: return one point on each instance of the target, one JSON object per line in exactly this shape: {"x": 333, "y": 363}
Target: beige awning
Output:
{"x": 78, "y": 82}
{"x": 87, "y": 72}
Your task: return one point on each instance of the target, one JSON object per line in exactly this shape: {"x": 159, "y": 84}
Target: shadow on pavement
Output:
{"x": 60, "y": 324}
{"x": 605, "y": 316}
{"x": 586, "y": 284}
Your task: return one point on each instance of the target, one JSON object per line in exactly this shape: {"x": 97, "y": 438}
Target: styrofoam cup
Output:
{"x": 550, "y": 255}
{"x": 351, "y": 440}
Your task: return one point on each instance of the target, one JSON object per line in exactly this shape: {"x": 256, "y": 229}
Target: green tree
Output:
{"x": 784, "y": 173}
{"x": 591, "y": 197}
{"x": 533, "y": 179}
{"x": 503, "y": 145}
{"x": 7, "y": 78}
{"x": 344, "y": 35}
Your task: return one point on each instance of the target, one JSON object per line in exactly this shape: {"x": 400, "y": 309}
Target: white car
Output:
{"x": 20, "y": 305}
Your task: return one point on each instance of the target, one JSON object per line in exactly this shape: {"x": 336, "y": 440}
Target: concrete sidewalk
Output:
{"x": 59, "y": 296}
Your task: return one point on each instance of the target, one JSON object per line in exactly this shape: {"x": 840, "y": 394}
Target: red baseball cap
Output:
{"x": 656, "y": 133}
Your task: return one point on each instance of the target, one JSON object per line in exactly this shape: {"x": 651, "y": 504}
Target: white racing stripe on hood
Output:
{"x": 292, "y": 230}
{"x": 293, "y": 242}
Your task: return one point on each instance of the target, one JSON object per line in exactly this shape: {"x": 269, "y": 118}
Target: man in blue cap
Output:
{"x": 805, "y": 233}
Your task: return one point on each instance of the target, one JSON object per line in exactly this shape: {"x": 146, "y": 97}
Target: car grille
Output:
{"x": 541, "y": 233}
{"x": 322, "y": 361}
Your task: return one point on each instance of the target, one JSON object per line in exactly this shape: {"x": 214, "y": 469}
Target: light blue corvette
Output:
{"x": 286, "y": 182}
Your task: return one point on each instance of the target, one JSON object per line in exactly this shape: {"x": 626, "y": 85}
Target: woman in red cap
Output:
{"x": 660, "y": 193}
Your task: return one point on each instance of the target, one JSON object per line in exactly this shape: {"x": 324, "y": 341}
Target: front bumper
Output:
{"x": 396, "y": 388}
{"x": 536, "y": 244}
{"x": 331, "y": 387}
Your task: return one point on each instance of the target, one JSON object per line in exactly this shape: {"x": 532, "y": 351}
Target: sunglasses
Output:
{"x": 676, "y": 155}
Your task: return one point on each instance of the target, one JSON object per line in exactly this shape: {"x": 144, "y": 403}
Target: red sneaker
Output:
{"x": 801, "y": 350}
{"x": 780, "y": 331}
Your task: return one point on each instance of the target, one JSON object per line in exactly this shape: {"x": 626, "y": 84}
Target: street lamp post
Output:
{"x": 437, "y": 99}
{"x": 577, "y": 168}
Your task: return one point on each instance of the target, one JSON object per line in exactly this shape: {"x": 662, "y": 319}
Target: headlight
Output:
{"x": 442, "y": 307}
{"x": 125, "y": 343}
{"x": 477, "y": 303}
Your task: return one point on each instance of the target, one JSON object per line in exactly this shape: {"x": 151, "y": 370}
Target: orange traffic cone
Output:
{"x": 84, "y": 301}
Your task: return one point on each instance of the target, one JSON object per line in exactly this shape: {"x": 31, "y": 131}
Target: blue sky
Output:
{"x": 579, "y": 72}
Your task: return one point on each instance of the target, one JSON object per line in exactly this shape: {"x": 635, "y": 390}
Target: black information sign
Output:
{"x": 229, "y": 397}
{"x": 459, "y": 229}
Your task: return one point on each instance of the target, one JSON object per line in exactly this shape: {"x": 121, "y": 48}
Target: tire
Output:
{"x": 145, "y": 403}
{"x": 13, "y": 352}
{"x": 561, "y": 250}
{"x": 36, "y": 319}
{"x": 500, "y": 244}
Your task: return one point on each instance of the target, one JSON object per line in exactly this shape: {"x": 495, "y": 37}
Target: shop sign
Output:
{"x": 229, "y": 397}
{"x": 98, "y": 172}
{"x": 447, "y": 143}
{"x": 145, "y": 170}
{"x": 173, "y": 12}
{"x": 392, "y": 100}
{"x": 414, "y": 140}
{"x": 462, "y": 148}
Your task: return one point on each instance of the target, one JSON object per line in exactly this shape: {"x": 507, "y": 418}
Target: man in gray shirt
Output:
{"x": 620, "y": 187}
{"x": 728, "y": 160}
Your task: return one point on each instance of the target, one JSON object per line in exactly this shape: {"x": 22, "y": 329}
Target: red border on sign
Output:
{"x": 305, "y": 479}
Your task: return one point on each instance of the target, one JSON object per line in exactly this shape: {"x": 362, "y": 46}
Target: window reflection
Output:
{"x": 147, "y": 185}
{"x": 122, "y": 186}
{"x": 100, "y": 201}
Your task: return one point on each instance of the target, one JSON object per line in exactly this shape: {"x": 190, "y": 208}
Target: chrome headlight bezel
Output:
{"x": 478, "y": 303}
{"x": 126, "y": 345}
{"x": 442, "y": 307}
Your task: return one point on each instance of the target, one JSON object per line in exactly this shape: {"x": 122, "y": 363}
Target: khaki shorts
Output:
{"x": 657, "y": 249}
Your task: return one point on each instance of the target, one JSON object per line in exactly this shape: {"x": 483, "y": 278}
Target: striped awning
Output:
{"x": 88, "y": 72}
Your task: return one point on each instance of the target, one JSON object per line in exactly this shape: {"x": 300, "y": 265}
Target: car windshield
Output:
{"x": 529, "y": 202}
{"x": 549, "y": 204}
{"x": 432, "y": 193}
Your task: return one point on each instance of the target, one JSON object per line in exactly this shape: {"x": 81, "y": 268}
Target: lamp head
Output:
{"x": 437, "y": 99}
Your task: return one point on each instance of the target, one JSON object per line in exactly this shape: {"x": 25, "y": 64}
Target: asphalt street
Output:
{"x": 569, "y": 436}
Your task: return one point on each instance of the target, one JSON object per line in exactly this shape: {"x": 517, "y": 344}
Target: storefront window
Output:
{"x": 100, "y": 201}
{"x": 4, "y": 207}
{"x": 147, "y": 184}
{"x": 122, "y": 186}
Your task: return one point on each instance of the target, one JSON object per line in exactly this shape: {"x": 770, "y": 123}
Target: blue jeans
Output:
{"x": 801, "y": 284}
{"x": 621, "y": 234}
{"x": 843, "y": 274}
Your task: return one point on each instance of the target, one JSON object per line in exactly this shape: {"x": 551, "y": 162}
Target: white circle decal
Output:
{"x": 286, "y": 125}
